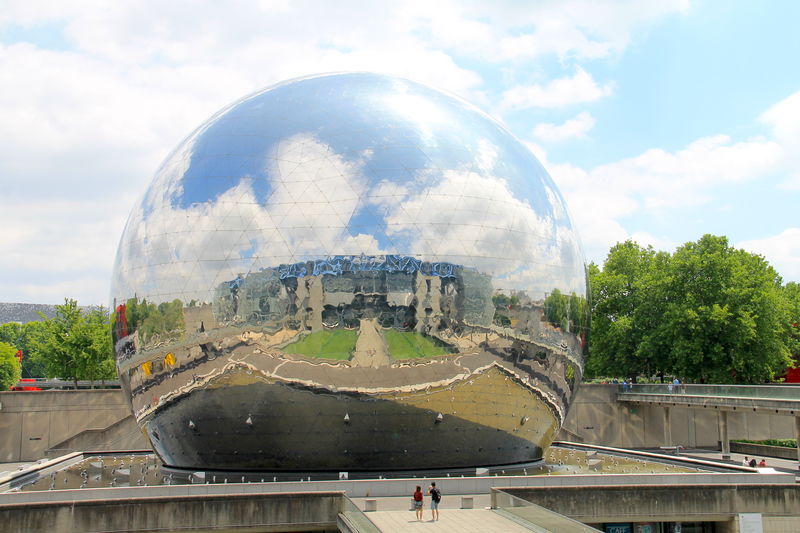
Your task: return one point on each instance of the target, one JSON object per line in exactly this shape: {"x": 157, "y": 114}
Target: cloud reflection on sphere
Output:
{"x": 340, "y": 270}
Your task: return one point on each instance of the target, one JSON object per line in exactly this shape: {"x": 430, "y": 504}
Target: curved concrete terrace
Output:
{"x": 326, "y": 505}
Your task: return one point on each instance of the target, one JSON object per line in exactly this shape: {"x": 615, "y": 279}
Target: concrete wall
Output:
{"x": 31, "y": 422}
{"x": 242, "y": 512}
{"x": 761, "y": 450}
{"x": 665, "y": 502}
{"x": 597, "y": 418}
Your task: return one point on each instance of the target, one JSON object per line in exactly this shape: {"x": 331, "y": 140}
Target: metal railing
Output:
{"x": 771, "y": 392}
{"x": 355, "y": 519}
{"x": 52, "y": 383}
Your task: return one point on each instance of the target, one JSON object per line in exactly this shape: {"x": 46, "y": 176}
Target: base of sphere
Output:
{"x": 263, "y": 426}
{"x": 191, "y": 475}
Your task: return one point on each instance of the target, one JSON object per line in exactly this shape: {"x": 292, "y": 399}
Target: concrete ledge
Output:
{"x": 649, "y": 502}
{"x": 375, "y": 488}
{"x": 395, "y": 487}
{"x": 722, "y": 403}
{"x": 763, "y": 450}
{"x": 317, "y": 511}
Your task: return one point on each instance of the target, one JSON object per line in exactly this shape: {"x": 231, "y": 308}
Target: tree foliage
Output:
{"x": 791, "y": 293}
{"x": 708, "y": 312}
{"x": 149, "y": 319}
{"x": 75, "y": 345}
{"x": 10, "y": 370}
{"x": 568, "y": 312}
{"x": 20, "y": 336}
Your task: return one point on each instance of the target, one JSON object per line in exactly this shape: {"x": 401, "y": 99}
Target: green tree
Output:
{"x": 153, "y": 321}
{"x": 555, "y": 309}
{"x": 93, "y": 336}
{"x": 19, "y": 336}
{"x": 10, "y": 370}
{"x": 708, "y": 312}
{"x": 726, "y": 314}
{"x": 73, "y": 345}
{"x": 626, "y": 296}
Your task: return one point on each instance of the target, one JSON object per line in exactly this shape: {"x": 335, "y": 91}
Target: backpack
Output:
{"x": 436, "y": 495}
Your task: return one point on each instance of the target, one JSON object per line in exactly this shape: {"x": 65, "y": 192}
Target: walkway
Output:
{"x": 780, "y": 399}
{"x": 783, "y": 399}
{"x": 393, "y": 515}
{"x": 461, "y": 520}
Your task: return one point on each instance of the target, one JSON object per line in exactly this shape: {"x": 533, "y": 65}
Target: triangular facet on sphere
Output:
{"x": 334, "y": 273}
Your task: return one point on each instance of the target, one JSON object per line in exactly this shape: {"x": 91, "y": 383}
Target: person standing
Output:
{"x": 418, "y": 502}
{"x": 436, "y": 497}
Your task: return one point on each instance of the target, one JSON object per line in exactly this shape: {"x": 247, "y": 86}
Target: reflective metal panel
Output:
{"x": 350, "y": 272}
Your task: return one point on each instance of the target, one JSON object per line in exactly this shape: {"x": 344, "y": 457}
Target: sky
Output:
{"x": 659, "y": 121}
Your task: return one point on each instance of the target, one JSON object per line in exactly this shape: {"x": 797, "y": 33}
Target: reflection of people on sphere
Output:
{"x": 418, "y": 502}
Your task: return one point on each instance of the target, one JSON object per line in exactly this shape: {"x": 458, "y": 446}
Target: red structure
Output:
{"x": 121, "y": 324}
{"x": 793, "y": 375}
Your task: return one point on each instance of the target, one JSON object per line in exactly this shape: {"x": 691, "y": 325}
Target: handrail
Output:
{"x": 775, "y": 392}
{"x": 33, "y": 384}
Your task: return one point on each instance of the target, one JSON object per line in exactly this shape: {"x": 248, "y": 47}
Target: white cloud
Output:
{"x": 688, "y": 177}
{"x": 172, "y": 252}
{"x": 654, "y": 182}
{"x": 782, "y": 251}
{"x": 784, "y": 120}
{"x": 59, "y": 245}
{"x": 88, "y": 116}
{"x": 562, "y": 92}
{"x": 487, "y": 227}
{"x": 574, "y": 128}
{"x": 514, "y": 31}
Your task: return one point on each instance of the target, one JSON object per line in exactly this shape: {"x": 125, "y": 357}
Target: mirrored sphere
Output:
{"x": 349, "y": 272}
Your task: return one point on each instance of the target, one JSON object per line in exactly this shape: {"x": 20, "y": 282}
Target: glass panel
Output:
{"x": 357, "y": 518}
{"x": 535, "y": 517}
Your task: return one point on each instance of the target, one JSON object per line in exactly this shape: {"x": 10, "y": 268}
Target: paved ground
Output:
{"x": 461, "y": 520}
{"x": 448, "y": 503}
{"x": 393, "y": 515}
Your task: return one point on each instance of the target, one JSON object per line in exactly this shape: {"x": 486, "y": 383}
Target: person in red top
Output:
{"x": 418, "y": 502}
{"x": 762, "y": 464}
